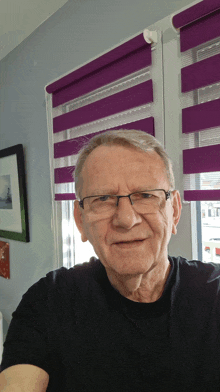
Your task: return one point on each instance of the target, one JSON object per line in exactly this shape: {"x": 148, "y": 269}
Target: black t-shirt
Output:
{"x": 87, "y": 337}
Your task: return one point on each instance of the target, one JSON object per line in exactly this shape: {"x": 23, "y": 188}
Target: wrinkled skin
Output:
{"x": 137, "y": 269}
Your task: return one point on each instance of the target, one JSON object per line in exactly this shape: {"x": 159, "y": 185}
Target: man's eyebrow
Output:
{"x": 112, "y": 192}
{"x": 102, "y": 192}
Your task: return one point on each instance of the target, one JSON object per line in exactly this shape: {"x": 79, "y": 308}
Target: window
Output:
{"x": 112, "y": 91}
{"x": 208, "y": 211}
{"x": 200, "y": 78}
{"x": 137, "y": 86}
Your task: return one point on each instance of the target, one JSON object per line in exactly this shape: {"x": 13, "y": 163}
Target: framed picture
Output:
{"x": 13, "y": 197}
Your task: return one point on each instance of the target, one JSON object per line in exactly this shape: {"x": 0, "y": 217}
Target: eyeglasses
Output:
{"x": 143, "y": 202}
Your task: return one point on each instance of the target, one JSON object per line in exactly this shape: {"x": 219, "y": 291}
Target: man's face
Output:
{"x": 127, "y": 242}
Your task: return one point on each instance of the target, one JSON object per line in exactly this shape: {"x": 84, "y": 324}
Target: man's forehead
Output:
{"x": 116, "y": 153}
{"x": 107, "y": 165}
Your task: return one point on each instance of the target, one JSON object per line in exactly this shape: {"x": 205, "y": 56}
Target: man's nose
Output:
{"x": 125, "y": 214}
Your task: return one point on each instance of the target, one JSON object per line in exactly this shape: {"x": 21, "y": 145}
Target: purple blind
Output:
{"x": 197, "y": 11}
{"x": 65, "y": 175}
{"x": 146, "y": 125}
{"x": 119, "y": 62}
{"x": 199, "y": 117}
{"x": 201, "y": 160}
{"x": 123, "y": 61}
{"x": 124, "y": 100}
{"x": 73, "y": 146}
{"x": 198, "y": 24}
{"x": 200, "y": 195}
{"x": 201, "y": 74}
{"x": 203, "y": 30}
{"x": 196, "y": 195}
{"x": 65, "y": 196}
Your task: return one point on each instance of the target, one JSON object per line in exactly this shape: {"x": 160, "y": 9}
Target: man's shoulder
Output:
{"x": 64, "y": 278}
{"x": 196, "y": 273}
{"x": 196, "y": 266}
{"x": 87, "y": 270}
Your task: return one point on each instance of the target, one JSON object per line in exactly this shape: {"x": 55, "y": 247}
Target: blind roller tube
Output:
{"x": 203, "y": 30}
{"x": 125, "y": 66}
{"x": 197, "y": 11}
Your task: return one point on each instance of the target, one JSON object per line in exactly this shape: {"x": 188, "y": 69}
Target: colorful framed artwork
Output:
{"x": 13, "y": 196}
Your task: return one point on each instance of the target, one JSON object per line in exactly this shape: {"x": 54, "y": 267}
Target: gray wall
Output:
{"x": 76, "y": 33}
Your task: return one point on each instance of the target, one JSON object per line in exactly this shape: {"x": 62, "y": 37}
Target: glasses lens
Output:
{"x": 150, "y": 201}
{"x": 143, "y": 202}
{"x": 101, "y": 204}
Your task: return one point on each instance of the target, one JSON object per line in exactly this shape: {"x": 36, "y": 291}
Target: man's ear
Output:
{"x": 177, "y": 207}
{"x": 79, "y": 220}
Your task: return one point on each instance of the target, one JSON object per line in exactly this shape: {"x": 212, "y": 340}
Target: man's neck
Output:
{"x": 146, "y": 287}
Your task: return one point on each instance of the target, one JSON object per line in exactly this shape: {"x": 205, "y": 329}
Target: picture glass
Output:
{"x": 5, "y": 193}
{"x": 10, "y": 218}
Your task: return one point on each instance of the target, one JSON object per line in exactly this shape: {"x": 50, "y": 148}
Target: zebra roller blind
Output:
{"x": 199, "y": 28}
{"x": 113, "y": 91}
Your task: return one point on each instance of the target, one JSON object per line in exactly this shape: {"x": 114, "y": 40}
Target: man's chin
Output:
{"x": 132, "y": 267}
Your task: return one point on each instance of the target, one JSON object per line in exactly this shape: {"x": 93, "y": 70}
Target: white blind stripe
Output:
{"x": 203, "y": 181}
{"x": 207, "y": 137}
{"x": 66, "y": 161}
{"x": 65, "y": 188}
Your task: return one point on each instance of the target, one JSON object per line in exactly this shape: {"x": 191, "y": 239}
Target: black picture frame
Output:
{"x": 14, "y": 223}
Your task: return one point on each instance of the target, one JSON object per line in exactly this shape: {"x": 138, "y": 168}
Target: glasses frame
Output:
{"x": 167, "y": 195}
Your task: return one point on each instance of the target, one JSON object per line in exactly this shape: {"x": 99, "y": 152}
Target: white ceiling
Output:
{"x": 19, "y": 18}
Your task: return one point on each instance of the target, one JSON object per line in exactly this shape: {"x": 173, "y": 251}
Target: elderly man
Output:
{"x": 135, "y": 319}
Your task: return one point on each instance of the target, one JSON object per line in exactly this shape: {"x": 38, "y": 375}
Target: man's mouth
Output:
{"x": 130, "y": 241}
{"x": 129, "y": 244}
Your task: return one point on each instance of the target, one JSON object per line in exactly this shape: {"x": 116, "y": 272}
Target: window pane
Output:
{"x": 208, "y": 212}
{"x": 210, "y": 222}
{"x": 74, "y": 250}
{"x": 67, "y": 234}
{"x": 83, "y": 250}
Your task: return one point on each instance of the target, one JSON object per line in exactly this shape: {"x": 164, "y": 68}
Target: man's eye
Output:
{"x": 100, "y": 198}
{"x": 103, "y": 198}
{"x": 146, "y": 195}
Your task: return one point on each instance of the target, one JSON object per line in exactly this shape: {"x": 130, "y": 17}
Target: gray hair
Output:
{"x": 129, "y": 138}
